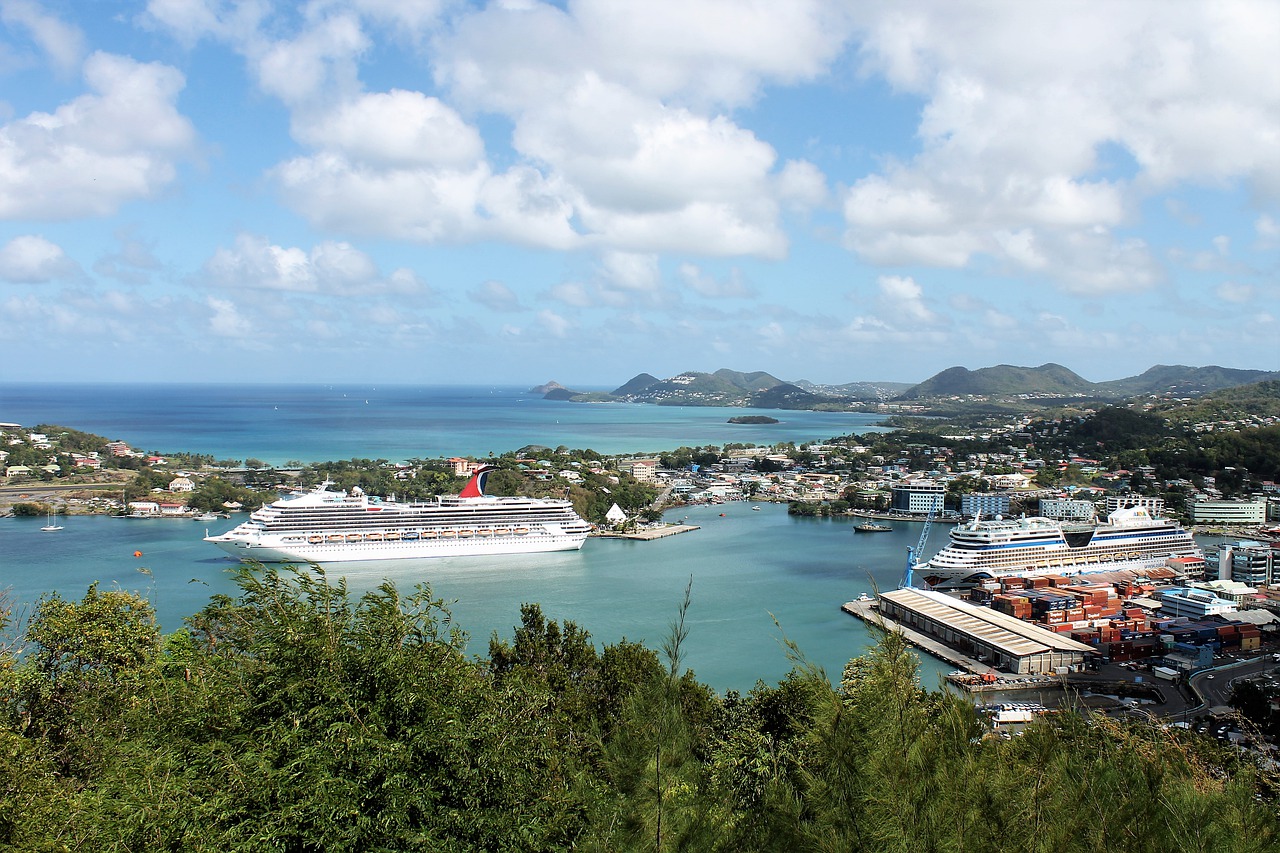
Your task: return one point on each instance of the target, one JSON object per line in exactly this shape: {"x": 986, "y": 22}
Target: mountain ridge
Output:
{"x": 1049, "y": 381}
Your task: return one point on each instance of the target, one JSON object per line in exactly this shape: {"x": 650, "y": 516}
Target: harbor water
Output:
{"x": 756, "y": 577}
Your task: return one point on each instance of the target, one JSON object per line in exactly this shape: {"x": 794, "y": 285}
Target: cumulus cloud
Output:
{"x": 729, "y": 287}
{"x": 62, "y": 43}
{"x": 396, "y": 129}
{"x": 328, "y": 268}
{"x": 1230, "y": 291}
{"x": 903, "y": 298}
{"x": 132, "y": 264}
{"x": 99, "y": 150}
{"x": 496, "y": 296}
{"x": 226, "y": 321}
{"x": 1020, "y": 102}
{"x": 554, "y": 324}
{"x": 31, "y": 259}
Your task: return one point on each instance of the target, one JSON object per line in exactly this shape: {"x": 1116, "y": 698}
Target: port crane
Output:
{"x": 913, "y": 554}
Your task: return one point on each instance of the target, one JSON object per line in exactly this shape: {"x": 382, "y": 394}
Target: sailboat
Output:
{"x": 52, "y": 524}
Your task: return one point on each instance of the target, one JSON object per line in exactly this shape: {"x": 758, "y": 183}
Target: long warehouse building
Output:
{"x": 1008, "y": 644}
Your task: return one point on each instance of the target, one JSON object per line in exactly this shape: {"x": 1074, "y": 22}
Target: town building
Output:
{"x": 643, "y": 470}
{"x": 987, "y": 505}
{"x": 1193, "y": 603}
{"x": 1252, "y": 563}
{"x": 1228, "y": 512}
{"x": 1154, "y": 506}
{"x": 1068, "y": 509}
{"x": 919, "y": 497}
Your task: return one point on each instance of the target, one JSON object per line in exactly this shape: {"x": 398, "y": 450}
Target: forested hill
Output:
{"x": 295, "y": 716}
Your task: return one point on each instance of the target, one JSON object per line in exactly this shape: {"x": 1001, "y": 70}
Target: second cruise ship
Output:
{"x": 1129, "y": 539}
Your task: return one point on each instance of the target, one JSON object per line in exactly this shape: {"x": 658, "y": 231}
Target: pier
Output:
{"x": 649, "y": 533}
{"x": 868, "y": 612}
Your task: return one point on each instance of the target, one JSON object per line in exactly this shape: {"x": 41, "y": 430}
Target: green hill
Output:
{"x": 1181, "y": 381}
{"x": 1001, "y": 380}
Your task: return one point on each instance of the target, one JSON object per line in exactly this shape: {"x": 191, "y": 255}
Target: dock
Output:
{"x": 650, "y": 533}
{"x": 868, "y": 612}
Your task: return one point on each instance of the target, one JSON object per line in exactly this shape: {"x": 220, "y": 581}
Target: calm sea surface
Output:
{"x": 748, "y": 568}
{"x": 318, "y": 423}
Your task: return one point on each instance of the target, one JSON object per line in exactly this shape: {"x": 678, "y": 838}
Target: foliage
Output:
{"x": 300, "y": 716}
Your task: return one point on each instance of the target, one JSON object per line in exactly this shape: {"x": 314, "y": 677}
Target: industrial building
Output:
{"x": 1007, "y": 643}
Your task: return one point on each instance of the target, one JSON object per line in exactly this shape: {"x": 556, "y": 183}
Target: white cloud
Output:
{"x": 329, "y": 268}
{"x": 1230, "y": 291}
{"x": 225, "y": 320}
{"x": 1268, "y": 231}
{"x": 61, "y": 42}
{"x": 100, "y": 150}
{"x": 496, "y": 296}
{"x": 1020, "y": 99}
{"x": 630, "y": 271}
{"x": 555, "y": 325}
{"x": 396, "y": 129}
{"x": 729, "y": 287}
{"x": 31, "y": 259}
{"x": 801, "y": 185}
{"x": 901, "y": 297}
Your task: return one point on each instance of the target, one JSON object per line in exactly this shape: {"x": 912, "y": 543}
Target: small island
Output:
{"x": 753, "y": 419}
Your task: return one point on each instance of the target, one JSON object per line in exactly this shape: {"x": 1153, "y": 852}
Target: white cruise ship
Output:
{"x": 1130, "y": 539}
{"x": 324, "y": 526}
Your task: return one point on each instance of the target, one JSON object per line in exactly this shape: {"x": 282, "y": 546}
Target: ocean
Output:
{"x": 758, "y": 577}
{"x": 278, "y": 424}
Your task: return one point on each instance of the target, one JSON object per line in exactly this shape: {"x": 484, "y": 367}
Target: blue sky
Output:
{"x": 439, "y": 192}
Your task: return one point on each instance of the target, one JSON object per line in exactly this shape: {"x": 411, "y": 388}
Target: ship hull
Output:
{"x": 266, "y": 551}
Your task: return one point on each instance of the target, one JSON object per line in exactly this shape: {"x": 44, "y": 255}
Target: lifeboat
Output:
{"x": 501, "y": 531}
{"x": 355, "y": 537}
{"x": 315, "y": 540}
{"x": 392, "y": 537}
{"x": 464, "y": 534}
{"x": 484, "y": 532}
{"x": 335, "y": 537}
{"x": 410, "y": 535}
{"x": 447, "y": 534}
{"x": 521, "y": 531}
{"x": 429, "y": 534}
{"x": 373, "y": 537}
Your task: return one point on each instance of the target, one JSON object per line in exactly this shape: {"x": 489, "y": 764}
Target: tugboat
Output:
{"x": 872, "y": 527}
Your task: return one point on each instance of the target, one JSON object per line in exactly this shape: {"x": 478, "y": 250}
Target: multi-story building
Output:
{"x": 920, "y": 497}
{"x": 1228, "y": 512}
{"x": 1253, "y": 563}
{"x": 1193, "y": 603}
{"x": 986, "y": 505}
{"x": 1067, "y": 509}
{"x": 1155, "y": 506}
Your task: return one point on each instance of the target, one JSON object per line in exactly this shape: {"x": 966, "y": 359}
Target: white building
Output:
{"x": 1066, "y": 509}
{"x": 1228, "y": 512}
{"x": 1194, "y": 603}
{"x": 1154, "y": 506}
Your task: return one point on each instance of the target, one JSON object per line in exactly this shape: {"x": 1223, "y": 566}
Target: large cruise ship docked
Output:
{"x": 326, "y": 526}
{"x": 1130, "y": 539}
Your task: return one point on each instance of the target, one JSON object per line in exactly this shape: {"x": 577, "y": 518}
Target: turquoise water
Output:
{"x": 747, "y": 568}
{"x": 317, "y": 423}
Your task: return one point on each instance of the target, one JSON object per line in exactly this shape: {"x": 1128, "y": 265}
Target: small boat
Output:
{"x": 755, "y": 509}
{"x": 872, "y": 527}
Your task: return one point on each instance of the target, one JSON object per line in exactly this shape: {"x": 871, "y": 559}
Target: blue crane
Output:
{"x": 913, "y": 555}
